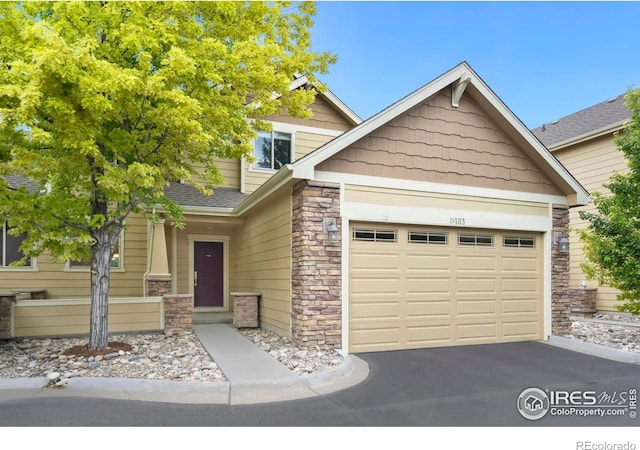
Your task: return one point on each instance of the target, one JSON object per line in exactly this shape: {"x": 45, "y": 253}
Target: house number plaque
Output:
{"x": 457, "y": 220}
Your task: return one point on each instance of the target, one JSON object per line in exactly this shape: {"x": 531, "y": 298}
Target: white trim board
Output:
{"x": 437, "y": 188}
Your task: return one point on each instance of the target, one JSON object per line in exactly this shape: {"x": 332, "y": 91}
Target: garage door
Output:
{"x": 417, "y": 287}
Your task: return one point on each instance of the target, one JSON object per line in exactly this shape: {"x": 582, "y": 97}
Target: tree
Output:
{"x": 102, "y": 104}
{"x": 612, "y": 237}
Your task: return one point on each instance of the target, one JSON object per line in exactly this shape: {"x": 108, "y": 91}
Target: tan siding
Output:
{"x": 262, "y": 260}
{"x": 76, "y": 284}
{"x": 230, "y": 170}
{"x": 58, "y": 318}
{"x": 592, "y": 163}
{"x": 438, "y": 143}
{"x": 305, "y": 143}
{"x": 400, "y": 197}
{"x": 324, "y": 116}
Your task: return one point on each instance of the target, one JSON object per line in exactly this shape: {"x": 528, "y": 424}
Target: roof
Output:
{"x": 594, "y": 120}
{"x": 459, "y": 78}
{"x": 187, "y": 195}
{"x": 17, "y": 181}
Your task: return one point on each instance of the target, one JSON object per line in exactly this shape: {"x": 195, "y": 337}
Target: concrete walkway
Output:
{"x": 253, "y": 376}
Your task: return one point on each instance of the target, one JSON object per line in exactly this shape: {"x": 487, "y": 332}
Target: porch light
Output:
{"x": 563, "y": 243}
{"x": 332, "y": 230}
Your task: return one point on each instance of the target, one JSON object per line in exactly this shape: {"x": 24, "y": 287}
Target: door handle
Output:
{"x": 195, "y": 278}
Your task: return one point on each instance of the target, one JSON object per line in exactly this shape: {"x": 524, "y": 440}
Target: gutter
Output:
{"x": 588, "y": 135}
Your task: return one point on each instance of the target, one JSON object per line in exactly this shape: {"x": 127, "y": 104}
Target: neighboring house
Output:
{"x": 583, "y": 142}
{"x": 448, "y": 211}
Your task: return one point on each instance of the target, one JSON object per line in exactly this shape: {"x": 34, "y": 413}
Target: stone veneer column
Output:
{"x": 5, "y": 314}
{"x": 158, "y": 286}
{"x": 178, "y": 313}
{"x": 316, "y": 273}
{"x": 560, "y": 299}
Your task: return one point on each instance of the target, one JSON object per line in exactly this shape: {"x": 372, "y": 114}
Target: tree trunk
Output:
{"x": 101, "y": 252}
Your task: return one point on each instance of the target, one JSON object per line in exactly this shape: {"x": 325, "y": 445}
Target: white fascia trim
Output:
{"x": 368, "y": 212}
{"x": 295, "y": 128}
{"x": 439, "y": 188}
{"x": 590, "y": 135}
{"x": 281, "y": 177}
{"x": 207, "y": 211}
{"x": 332, "y": 98}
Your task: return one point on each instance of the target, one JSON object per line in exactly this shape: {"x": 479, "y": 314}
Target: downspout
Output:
{"x": 242, "y": 176}
{"x": 150, "y": 233}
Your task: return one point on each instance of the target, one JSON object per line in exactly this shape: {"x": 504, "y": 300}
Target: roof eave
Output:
{"x": 588, "y": 136}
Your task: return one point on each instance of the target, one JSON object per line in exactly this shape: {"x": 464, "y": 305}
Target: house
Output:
{"x": 447, "y": 211}
{"x": 583, "y": 143}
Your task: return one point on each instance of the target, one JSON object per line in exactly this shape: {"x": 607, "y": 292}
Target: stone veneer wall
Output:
{"x": 5, "y": 314}
{"x": 178, "y": 313}
{"x": 157, "y": 287}
{"x": 316, "y": 273}
{"x": 583, "y": 300}
{"x": 560, "y": 299}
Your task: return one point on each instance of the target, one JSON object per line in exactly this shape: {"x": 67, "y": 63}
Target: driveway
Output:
{"x": 457, "y": 386}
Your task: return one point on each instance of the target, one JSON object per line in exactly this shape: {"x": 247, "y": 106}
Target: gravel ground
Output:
{"x": 152, "y": 356}
{"x": 183, "y": 358}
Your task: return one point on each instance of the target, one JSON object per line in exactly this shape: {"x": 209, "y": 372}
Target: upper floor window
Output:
{"x": 10, "y": 248}
{"x": 272, "y": 150}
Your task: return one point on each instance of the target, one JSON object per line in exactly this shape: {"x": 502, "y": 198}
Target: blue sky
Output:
{"x": 545, "y": 60}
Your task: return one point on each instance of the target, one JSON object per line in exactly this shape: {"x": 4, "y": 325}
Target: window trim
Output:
{"x": 475, "y": 237}
{"x": 375, "y": 232}
{"x": 274, "y": 130}
{"x": 428, "y": 235}
{"x": 520, "y": 238}
{"x": 33, "y": 267}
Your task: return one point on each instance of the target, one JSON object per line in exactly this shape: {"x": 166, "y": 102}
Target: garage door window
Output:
{"x": 374, "y": 235}
{"x": 519, "y": 241}
{"x": 420, "y": 237}
{"x": 485, "y": 240}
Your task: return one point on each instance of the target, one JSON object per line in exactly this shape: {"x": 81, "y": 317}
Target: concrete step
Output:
{"x": 212, "y": 317}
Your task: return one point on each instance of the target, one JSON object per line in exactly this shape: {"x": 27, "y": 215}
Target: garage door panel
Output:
{"x": 511, "y": 264}
{"x": 521, "y": 329}
{"x": 378, "y": 311}
{"x": 440, "y": 263}
{"x": 477, "y": 332}
{"x": 477, "y": 263}
{"x": 428, "y": 335}
{"x": 475, "y": 307}
{"x": 428, "y": 285}
{"x": 376, "y": 285}
{"x": 517, "y": 305}
{"x": 428, "y": 309}
{"x": 419, "y": 294}
{"x": 481, "y": 285}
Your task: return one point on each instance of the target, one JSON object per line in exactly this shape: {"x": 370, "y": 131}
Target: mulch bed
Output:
{"x": 83, "y": 350}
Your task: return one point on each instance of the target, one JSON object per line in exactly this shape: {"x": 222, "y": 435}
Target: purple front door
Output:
{"x": 208, "y": 275}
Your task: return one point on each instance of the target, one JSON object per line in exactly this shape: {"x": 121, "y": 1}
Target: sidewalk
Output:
{"x": 253, "y": 377}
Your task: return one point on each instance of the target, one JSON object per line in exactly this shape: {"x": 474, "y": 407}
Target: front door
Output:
{"x": 208, "y": 275}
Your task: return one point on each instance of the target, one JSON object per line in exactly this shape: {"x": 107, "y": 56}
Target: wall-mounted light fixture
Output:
{"x": 562, "y": 241}
{"x": 331, "y": 228}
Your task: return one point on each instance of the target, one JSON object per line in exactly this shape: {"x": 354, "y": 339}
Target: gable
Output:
{"x": 435, "y": 142}
{"x": 325, "y": 116}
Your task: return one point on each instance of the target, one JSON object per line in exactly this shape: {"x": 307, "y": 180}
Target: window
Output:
{"x": 519, "y": 241}
{"x": 116, "y": 260}
{"x": 10, "y": 249}
{"x": 485, "y": 240}
{"x": 272, "y": 150}
{"x": 371, "y": 235}
{"x": 419, "y": 237}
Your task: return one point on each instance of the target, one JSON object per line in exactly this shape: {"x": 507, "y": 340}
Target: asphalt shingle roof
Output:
{"x": 17, "y": 181}
{"x": 187, "y": 195}
{"x": 582, "y": 122}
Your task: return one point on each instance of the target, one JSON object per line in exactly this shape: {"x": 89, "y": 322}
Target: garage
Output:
{"x": 418, "y": 287}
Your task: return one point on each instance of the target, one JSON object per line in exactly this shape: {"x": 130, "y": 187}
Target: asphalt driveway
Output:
{"x": 457, "y": 386}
